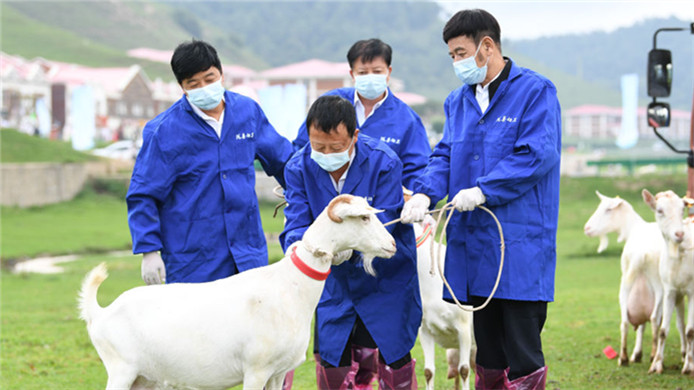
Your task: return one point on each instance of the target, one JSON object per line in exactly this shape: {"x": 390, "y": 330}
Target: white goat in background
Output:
{"x": 252, "y": 327}
{"x": 676, "y": 272}
{"x": 640, "y": 289}
{"x": 442, "y": 322}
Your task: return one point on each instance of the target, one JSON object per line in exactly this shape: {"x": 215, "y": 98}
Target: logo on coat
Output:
{"x": 390, "y": 140}
{"x": 506, "y": 119}
{"x": 241, "y": 136}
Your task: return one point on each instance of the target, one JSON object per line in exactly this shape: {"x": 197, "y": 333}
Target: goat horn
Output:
{"x": 336, "y": 201}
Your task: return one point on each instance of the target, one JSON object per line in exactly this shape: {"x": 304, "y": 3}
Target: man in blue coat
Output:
{"x": 501, "y": 148}
{"x": 192, "y": 207}
{"x": 381, "y": 312}
{"x": 380, "y": 114}
{"x": 383, "y": 116}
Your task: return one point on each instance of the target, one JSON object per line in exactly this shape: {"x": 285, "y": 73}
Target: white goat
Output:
{"x": 442, "y": 323}
{"x": 252, "y": 327}
{"x": 676, "y": 272}
{"x": 640, "y": 289}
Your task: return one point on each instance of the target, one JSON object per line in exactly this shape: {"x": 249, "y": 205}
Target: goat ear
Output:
{"x": 601, "y": 196}
{"x": 615, "y": 202}
{"x": 648, "y": 198}
{"x": 336, "y": 208}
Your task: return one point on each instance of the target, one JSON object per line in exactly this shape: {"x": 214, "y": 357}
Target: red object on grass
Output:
{"x": 609, "y": 352}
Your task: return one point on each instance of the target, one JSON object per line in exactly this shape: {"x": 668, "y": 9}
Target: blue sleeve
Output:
{"x": 389, "y": 196}
{"x": 535, "y": 152}
{"x": 301, "y": 137}
{"x": 151, "y": 183}
{"x": 273, "y": 150}
{"x": 298, "y": 211}
{"x": 415, "y": 151}
{"x": 433, "y": 181}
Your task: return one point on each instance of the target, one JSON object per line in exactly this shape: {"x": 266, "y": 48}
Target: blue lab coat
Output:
{"x": 394, "y": 123}
{"x": 512, "y": 153}
{"x": 389, "y": 304}
{"x": 192, "y": 194}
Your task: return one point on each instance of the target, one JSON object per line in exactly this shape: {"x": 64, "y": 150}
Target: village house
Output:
{"x": 603, "y": 122}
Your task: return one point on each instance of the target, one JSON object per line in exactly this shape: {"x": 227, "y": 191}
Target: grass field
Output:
{"x": 45, "y": 346}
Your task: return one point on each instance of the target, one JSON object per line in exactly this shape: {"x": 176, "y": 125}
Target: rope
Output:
{"x": 436, "y": 258}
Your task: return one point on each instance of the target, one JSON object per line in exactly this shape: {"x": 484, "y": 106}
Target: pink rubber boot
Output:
{"x": 490, "y": 379}
{"x": 403, "y": 378}
{"x": 533, "y": 381}
{"x": 367, "y": 359}
{"x": 288, "y": 380}
{"x": 336, "y": 378}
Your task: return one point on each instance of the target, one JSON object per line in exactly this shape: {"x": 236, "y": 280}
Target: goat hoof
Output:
{"x": 656, "y": 369}
{"x": 636, "y": 358}
{"x": 623, "y": 362}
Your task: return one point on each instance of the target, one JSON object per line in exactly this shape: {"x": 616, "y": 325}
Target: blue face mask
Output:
{"x": 371, "y": 85}
{"x": 467, "y": 70}
{"x": 207, "y": 97}
{"x": 333, "y": 161}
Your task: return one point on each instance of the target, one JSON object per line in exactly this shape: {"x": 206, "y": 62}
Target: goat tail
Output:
{"x": 88, "y": 304}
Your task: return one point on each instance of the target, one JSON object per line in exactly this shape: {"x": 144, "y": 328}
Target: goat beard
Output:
{"x": 367, "y": 261}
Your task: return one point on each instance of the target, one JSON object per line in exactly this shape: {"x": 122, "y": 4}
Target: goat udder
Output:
{"x": 640, "y": 302}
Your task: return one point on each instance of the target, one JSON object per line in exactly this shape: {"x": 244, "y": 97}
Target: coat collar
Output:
{"x": 229, "y": 101}
{"x": 468, "y": 91}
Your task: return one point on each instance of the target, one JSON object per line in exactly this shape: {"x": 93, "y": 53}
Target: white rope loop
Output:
{"x": 436, "y": 258}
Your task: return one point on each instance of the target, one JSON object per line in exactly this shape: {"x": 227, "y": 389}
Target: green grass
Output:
{"x": 90, "y": 223}
{"x": 44, "y": 344}
{"x": 16, "y": 147}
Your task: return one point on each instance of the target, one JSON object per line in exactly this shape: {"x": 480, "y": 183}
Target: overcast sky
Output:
{"x": 532, "y": 19}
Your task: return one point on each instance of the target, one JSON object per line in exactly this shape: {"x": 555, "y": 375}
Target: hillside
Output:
{"x": 601, "y": 57}
{"x": 585, "y": 68}
{"x": 16, "y": 147}
{"x": 98, "y": 33}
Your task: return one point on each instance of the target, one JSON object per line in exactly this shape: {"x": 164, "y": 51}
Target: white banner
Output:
{"x": 629, "y": 132}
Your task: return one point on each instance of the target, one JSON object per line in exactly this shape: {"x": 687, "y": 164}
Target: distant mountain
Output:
{"x": 98, "y": 33}
{"x": 260, "y": 34}
{"x": 602, "y": 58}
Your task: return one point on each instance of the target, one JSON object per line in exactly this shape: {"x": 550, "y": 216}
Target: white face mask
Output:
{"x": 207, "y": 97}
{"x": 371, "y": 85}
{"x": 467, "y": 70}
{"x": 333, "y": 161}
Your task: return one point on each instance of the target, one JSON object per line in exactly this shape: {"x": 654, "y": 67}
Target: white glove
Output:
{"x": 468, "y": 199}
{"x": 415, "y": 209}
{"x": 153, "y": 269}
{"x": 342, "y": 256}
{"x": 428, "y": 220}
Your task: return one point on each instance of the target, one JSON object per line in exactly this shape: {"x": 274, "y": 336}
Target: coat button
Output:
{"x": 481, "y": 121}
{"x": 476, "y": 157}
{"x": 224, "y": 176}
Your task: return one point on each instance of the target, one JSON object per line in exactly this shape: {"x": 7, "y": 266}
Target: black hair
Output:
{"x": 193, "y": 57}
{"x": 369, "y": 49}
{"x": 474, "y": 24}
{"x": 327, "y": 112}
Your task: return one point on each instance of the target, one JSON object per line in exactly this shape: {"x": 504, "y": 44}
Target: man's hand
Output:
{"x": 153, "y": 269}
{"x": 415, "y": 209}
{"x": 468, "y": 199}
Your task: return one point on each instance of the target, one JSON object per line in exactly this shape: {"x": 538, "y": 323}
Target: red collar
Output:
{"x": 306, "y": 270}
